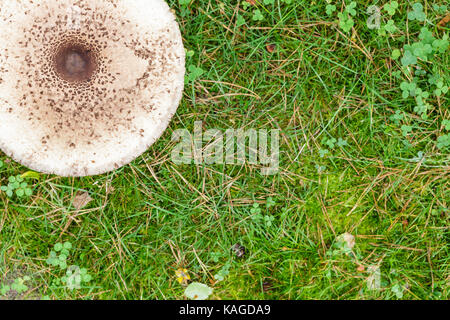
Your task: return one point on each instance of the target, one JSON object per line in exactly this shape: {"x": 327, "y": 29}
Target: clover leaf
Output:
{"x": 257, "y": 15}
{"x": 422, "y": 107}
{"x": 391, "y": 7}
{"x": 240, "y": 20}
{"x": 408, "y": 59}
{"x": 446, "y": 124}
{"x": 255, "y": 209}
{"x": 417, "y": 13}
{"x": 390, "y": 26}
{"x": 408, "y": 88}
{"x": 443, "y": 141}
{"x": 346, "y": 23}
{"x": 441, "y": 45}
{"x": 406, "y": 130}
{"x": 440, "y": 88}
{"x": 330, "y": 142}
{"x": 396, "y": 53}
{"x": 330, "y": 8}
{"x": 18, "y": 186}
{"x": 426, "y": 36}
{"x": 268, "y": 220}
{"x": 440, "y": 9}
{"x": 397, "y": 117}
{"x": 270, "y": 202}
{"x": 342, "y": 143}
{"x": 350, "y": 9}
{"x": 420, "y": 50}
{"x": 323, "y": 152}
{"x": 194, "y": 73}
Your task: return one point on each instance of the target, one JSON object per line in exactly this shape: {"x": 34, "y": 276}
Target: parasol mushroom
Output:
{"x": 86, "y": 86}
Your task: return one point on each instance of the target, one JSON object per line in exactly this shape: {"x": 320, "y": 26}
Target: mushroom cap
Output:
{"x": 86, "y": 86}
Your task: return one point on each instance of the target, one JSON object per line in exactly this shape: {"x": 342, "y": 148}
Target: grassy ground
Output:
{"x": 357, "y": 158}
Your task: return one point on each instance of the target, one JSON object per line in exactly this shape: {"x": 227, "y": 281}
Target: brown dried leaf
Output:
{"x": 81, "y": 200}
{"x": 444, "y": 21}
{"x": 271, "y": 48}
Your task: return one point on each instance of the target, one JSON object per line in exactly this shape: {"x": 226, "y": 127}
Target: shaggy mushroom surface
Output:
{"x": 86, "y": 86}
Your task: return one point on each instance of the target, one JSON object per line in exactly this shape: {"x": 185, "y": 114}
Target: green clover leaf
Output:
{"x": 426, "y": 36}
{"x": 396, "y": 54}
{"x": 391, "y": 7}
{"x": 396, "y": 117}
{"x": 408, "y": 59}
{"x": 446, "y": 124}
{"x": 390, "y": 26}
{"x": 194, "y": 73}
{"x": 67, "y": 245}
{"x": 330, "y": 8}
{"x": 441, "y": 45}
{"x": 323, "y": 152}
{"x": 346, "y": 23}
{"x": 270, "y": 202}
{"x": 417, "y": 13}
{"x": 440, "y": 9}
{"x": 240, "y": 20}
{"x": 257, "y": 15}
{"x": 443, "y": 141}
{"x": 350, "y": 9}
{"x": 268, "y": 220}
{"x": 331, "y": 143}
{"x": 406, "y": 130}
{"x": 342, "y": 143}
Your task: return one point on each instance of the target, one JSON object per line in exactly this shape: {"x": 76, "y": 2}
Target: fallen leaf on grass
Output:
{"x": 198, "y": 291}
{"x": 81, "y": 200}
{"x": 182, "y": 276}
{"x": 271, "y": 48}
{"x": 444, "y": 21}
{"x": 31, "y": 175}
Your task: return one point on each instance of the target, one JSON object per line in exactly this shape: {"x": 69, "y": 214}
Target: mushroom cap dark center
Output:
{"x": 75, "y": 63}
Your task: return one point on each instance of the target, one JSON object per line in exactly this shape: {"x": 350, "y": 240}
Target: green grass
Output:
{"x": 153, "y": 217}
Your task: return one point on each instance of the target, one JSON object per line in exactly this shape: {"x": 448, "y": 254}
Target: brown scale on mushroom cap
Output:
{"x": 92, "y": 91}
